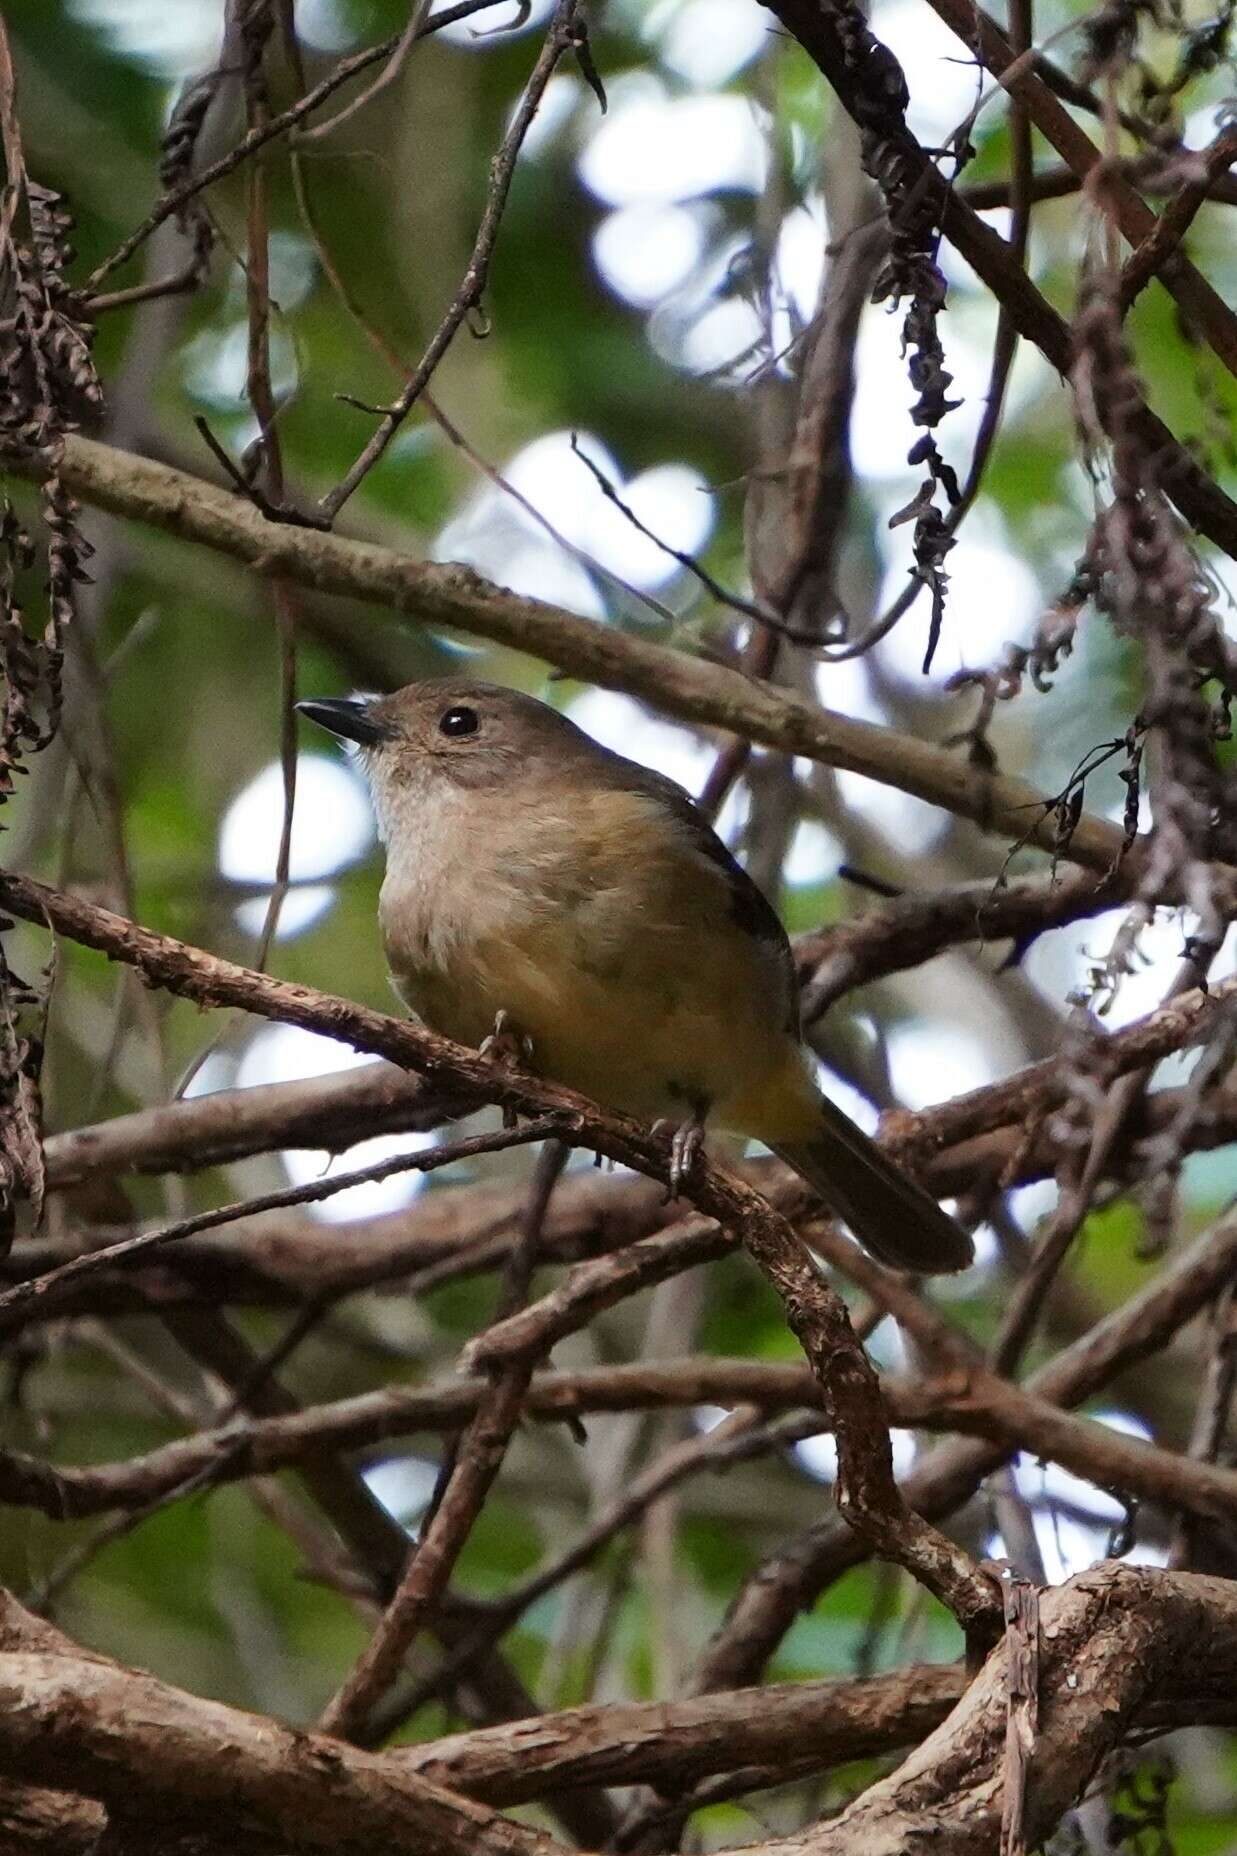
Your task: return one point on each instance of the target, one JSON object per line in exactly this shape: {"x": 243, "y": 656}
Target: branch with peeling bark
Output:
{"x": 133, "y": 1742}
{"x": 1122, "y": 1651}
{"x": 1196, "y": 297}
{"x": 1198, "y": 496}
{"x": 1158, "y": 1646}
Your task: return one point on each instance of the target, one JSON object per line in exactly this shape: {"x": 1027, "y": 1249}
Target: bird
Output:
{"x": 581, "y": 903}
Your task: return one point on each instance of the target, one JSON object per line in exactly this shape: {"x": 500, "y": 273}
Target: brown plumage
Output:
{"x": 532, "y": 872}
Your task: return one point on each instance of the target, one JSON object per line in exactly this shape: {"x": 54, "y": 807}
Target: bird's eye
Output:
{"x": 457, "y": 722}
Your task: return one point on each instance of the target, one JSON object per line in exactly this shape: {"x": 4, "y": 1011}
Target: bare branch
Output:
{"x": 1154, "y": 1644}
{"x": 774, "y": 1594}
{"x": 678, "y": 683}
{"x": 177, "y": 198}
{"x": 566, "y": 33}
{"x": 781, "y": 1725}
{"x": 1199, "y": 498}
{"x": 116, "y": 1735}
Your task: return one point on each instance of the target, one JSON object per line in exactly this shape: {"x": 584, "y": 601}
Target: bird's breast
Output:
{"x": 469, "y": 894}
{"x": 610, "y": 946}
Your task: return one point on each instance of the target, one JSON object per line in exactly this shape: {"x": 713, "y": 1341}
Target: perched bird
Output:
{"x": 538, "y": 880}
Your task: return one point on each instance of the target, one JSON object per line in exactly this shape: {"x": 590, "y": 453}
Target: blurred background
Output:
{"x": 655, "y": 272}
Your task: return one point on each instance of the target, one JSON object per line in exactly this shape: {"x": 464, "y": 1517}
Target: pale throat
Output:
{"x": 448, "y": 884}
{"x": 427, "y": 827}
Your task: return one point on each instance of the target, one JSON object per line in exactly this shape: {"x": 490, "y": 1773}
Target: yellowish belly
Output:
{"x": 615, "y": 945}
{"x": 645, "y": 1036}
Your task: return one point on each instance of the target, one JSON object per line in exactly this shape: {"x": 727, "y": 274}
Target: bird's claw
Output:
{"x": 509, "y": 1048}
{"x": 686, "y": 1144}
{"x": 505, "y": 1044}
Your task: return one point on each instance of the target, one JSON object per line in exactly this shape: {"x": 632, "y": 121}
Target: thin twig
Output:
{"x": 464, "y": 1483}
{"x": 735, "y": 602}
{"x": 566, "y": 33}
{"x": 22, "y": 1295}
{"x": 1149, "y": 258}
{"x": 386, "y": 77}
{"x": 178, "y": 198}
{"x": 400, "y": 367}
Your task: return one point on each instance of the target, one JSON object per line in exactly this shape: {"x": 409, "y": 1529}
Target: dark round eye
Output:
{"x": 461, "y": 721}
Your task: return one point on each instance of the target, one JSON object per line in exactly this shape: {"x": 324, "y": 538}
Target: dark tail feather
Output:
{"x": 890, "y": 1215}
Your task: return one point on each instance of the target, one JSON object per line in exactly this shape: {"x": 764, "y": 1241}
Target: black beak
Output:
{"x": 343, "y": 716}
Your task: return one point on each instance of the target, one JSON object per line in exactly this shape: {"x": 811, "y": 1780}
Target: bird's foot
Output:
{"x": 506, "y": 1044}
{"x": 509, "y": 1048}
{"x": 686, "y": 1144}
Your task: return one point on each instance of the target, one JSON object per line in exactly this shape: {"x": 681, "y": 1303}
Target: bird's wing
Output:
{"x": 750, "y": 908}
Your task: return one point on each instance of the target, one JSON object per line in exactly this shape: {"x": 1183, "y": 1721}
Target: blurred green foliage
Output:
{"x": 209, "y": 1592}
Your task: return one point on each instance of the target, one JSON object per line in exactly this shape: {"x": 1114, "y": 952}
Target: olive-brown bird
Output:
{"x": 536, "y": 879}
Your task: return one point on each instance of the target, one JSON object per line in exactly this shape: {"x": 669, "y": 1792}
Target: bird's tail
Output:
{"x": 893, "y": 1217}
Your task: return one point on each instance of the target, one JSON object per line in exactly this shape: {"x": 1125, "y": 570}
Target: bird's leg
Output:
{"x": 509, "y": 1048}
{"x": 686, "y": 1143}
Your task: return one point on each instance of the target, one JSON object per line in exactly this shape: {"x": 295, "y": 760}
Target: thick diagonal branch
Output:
{"x": 1123, "y": 1650}
{"x": 868, "y": 1493}
{"x": 679, "y": 684}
